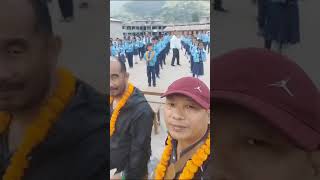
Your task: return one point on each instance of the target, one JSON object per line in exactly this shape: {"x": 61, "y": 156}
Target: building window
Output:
{"x": 144, "y": 28}
{"x": 148, "y": 28}
{"x": 133, "y": 27}
{"x": 154, "y": 27}
{"x": 123, "y": 27}
{"x": 128, "y": 28}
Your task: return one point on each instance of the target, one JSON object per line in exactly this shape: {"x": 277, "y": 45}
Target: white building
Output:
{"x": 116, "y": 28}
{"x": 141, "y": 27}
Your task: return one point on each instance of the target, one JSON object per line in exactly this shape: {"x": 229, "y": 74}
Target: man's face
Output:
{"x": 27, "y": 57}
{"x": 185, "y": 119}
{"x": 118, "y": 79}
{"x": 246, "y": 148}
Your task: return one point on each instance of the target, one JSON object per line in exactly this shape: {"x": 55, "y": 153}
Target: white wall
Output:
{"x": 116, "y": 30}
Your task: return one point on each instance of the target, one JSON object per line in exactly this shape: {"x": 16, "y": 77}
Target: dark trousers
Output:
{"x": 157, "y": 67}
{"x": 122, "y": 58}
{"x": 151, "y": 73}
{"x": 141, "y": 52}
{"x": 164, "y": 58}
{"x": 66, "y": 7}
{"x": 130, "y": 59}
{"x": 205, "y": 44}
{"x": 261, "y": 13}
{"x": 217, "y": 4}
{"x": 175, "y": 56}
{"x": 191, "y": 62}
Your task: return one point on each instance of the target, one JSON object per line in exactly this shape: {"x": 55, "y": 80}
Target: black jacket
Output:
{"x": 130, "y": 145}
{"x": 76, "y": 147}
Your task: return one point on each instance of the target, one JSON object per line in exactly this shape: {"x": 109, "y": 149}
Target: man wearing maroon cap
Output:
{"x": 187, "y": 117}
{"x": 266, "y": 118}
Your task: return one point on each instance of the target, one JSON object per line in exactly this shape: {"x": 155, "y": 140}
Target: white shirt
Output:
{"x": 175, "y": 42}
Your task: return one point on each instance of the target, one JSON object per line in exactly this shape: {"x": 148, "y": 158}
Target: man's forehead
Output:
{"x": 182, "y": 97}
{"x": 16, "y": 18}
{"x": 115, "y": 67}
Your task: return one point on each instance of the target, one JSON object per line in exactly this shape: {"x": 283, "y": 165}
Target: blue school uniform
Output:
{"x": 135, "y": 48}
{"x": 129, "y": 52}
{"x": 151, "y": 67}
{"x": 121, "y": 51}
{"x": 114, "y": 51}
{"x": 199, "y": 56}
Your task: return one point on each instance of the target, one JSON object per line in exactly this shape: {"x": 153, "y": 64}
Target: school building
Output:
{"x": 142, "y": 27}
{"x": 116, "y": 28}
{"x": 190, "y": 28}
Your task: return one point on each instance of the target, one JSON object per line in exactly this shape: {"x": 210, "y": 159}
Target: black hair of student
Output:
{"x": 155, "y": 38}
{"x": 43, "y": 19}
{"x": 123, "y": 68}
{"x": 149, "y": 44}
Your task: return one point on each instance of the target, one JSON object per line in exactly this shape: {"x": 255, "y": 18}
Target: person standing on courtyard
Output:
{"x": 150, "y": 57}
{"x": 279, "y": 20}
{"x": 199, "y": 56}
{"x": 67, "y": 11}
{"x": 175, "y": 45}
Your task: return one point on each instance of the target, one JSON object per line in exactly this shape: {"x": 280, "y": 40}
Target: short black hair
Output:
{"x": 149, "y": 44}
{"x": 123, "y": 68}
{"x": 42, "y": 14}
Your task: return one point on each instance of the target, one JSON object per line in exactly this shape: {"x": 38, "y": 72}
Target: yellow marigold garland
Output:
{"x": 37, "y": 131}
{"x": 120, "y": 104}
{"x": 192, "y": 165}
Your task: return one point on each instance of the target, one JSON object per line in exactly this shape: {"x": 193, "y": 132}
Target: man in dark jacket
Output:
{"x": 130, "y": 147}
{"x": 53, "y": 126}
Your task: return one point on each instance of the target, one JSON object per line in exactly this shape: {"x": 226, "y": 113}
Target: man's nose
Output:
{"x": 5, "y": 72}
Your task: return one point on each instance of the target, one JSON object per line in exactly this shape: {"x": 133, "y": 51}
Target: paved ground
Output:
{"x": 168, "y": 74}
{"x": 237, "y": 29}
{"x": 84, "y": 42}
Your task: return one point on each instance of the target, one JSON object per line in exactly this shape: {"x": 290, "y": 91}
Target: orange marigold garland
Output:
{"x": 192, "y": 166}
{"x": 120, "y": 104}
{"x": 37, "y": 131}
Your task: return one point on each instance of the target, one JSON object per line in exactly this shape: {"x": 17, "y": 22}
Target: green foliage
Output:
{"x": 168, "y": 11}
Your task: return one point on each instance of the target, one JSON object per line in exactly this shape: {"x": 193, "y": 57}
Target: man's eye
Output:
{"x": 170, "y": 104}
{"x": 257, "y": 142}
{"x": 190, "y": 107}
{"x": 15, "y": 51}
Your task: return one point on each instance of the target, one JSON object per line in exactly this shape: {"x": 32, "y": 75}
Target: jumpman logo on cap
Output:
{"x": 283, "y": 84}
{"x": 198, "y": 88}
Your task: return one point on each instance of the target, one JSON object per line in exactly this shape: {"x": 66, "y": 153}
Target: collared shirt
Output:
{"x": 175, "y": 43}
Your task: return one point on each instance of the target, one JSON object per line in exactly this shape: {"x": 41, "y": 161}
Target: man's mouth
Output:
{"x": 178, "y": 128}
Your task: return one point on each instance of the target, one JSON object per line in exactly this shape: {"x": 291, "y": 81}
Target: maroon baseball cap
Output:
{"x": 193, "y": 88}
{"x": 272, "y": 86}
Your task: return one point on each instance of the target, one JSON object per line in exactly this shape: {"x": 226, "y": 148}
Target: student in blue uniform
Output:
{"x": 142, "y": 48}
{"x": 199, "y": 56}
{"x": 151, "y": 58}
{"x": 193, "y": 47}
{"x": 121, "y": 51}
{"x": 161, "y": 52}
{"x": 135, "y": 50}
{"x": 156, "y": 49}
{"x": 205, "y": 40}
{"x": 129, "y": 52}
{"x": 113, "y": 49}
